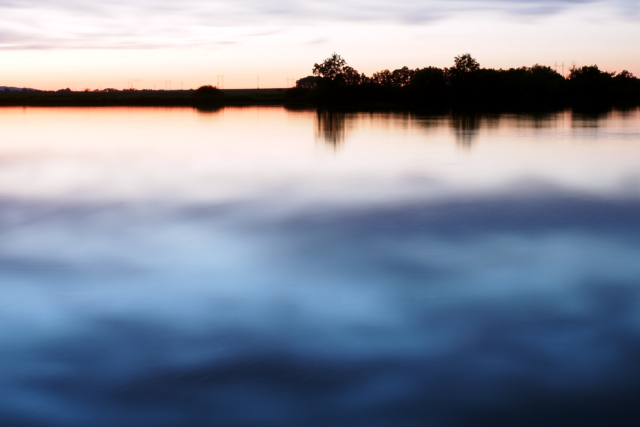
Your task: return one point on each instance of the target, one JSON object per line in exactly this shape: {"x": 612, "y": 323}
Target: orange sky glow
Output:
{"x": 149, "y": 44}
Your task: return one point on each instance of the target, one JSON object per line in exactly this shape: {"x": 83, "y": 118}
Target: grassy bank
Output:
{"x": 144, "y": 98}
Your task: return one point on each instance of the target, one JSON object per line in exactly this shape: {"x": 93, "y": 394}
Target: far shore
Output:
{"x": 272, "y": 96}
{"x": 289, "y": 97}
{"x": 336, "y": 85}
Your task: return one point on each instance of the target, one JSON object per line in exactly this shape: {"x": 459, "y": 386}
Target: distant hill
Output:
{"x": 2, "y": 88}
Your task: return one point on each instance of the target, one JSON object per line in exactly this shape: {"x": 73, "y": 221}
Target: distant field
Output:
{"x": 143, "y": 98}
{"x": 270, "y": 91}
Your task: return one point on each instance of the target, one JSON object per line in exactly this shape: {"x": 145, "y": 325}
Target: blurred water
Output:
{"x": 264, "y": 266}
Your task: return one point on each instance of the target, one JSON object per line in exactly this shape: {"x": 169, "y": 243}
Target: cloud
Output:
{"x": 37, "y": 24}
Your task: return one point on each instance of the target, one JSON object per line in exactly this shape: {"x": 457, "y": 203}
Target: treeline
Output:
{"x": 465, "y": 83}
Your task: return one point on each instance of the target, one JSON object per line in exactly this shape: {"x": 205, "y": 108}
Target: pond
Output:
{"x": 267, "y": 266}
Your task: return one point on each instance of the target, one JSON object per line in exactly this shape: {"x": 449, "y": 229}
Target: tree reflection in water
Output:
{"x": 466, "y": 127}
{"x": 330, "y": 127}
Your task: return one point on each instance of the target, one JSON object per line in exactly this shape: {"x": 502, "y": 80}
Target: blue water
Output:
{"x": 260, "y": 266}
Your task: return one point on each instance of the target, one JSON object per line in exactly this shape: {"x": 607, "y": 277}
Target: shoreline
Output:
{"x": 280, "y": 97}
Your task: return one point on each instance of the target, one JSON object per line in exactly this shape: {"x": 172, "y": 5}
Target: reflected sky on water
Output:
{"x": 264, "y": 266}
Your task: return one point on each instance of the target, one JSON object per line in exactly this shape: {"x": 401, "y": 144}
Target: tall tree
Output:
{"x": 330, "y": 68}
{"x": 465, "y": 64}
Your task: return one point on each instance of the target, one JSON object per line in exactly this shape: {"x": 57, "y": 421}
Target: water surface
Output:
{"x": 264, "y": 266}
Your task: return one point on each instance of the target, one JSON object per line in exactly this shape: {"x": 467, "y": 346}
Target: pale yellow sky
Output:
{"x": 149, "y": 43}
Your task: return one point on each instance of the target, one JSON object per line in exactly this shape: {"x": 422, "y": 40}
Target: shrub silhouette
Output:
{"x": 208, "y": 91}
{"x": 590, "y": 82}
{"x": 429, "y": 83}
{"x": 308, "y": 82}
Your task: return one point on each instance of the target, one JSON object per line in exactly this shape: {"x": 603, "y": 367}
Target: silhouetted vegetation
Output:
{"x": 308, "y": 82}
{"x": 208, "y": 91}
{"x": 206, "y": 97}
{"x": 335, "y": 84}
{"x": 464, "y": 84}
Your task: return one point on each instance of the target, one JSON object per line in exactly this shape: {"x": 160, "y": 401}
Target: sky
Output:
{"x": 53, "y": 44}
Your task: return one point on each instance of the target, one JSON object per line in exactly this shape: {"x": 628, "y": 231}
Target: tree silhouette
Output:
{"x": 464, "y": 84}
{"x": 589, "y": 82}
{"x": 402, "y": 76}
{"x": 330, "y": 68}
{"x": 463, "y": 78}
{"x": 396, "y": 78}
{"x": 428, "y": 83}
{"x": 334, "y": 72}
{"x": 350, "y": 76}
{"x": 624, "y": 74}
{"x": 308, "y": 82}
{"x": 465, "y": 64}
{"x": 382, "y": 78}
